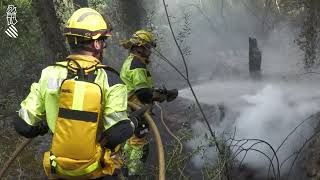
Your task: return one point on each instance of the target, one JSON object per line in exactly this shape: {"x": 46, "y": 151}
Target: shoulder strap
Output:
{"x": 113, "y": 75}
{"x": 72, "y": 70}
{"x": 79, "y": 71}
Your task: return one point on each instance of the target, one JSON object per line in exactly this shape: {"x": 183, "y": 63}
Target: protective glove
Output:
{"x": 141, "y": 125}
{"x": 144, "y": 95}
{"x": 142, "y": 129}
{"x": 43, "y": 128}
{"x": 29, "y": 131}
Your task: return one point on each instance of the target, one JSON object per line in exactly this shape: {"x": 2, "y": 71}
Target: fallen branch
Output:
{"x": 14, "y": 156}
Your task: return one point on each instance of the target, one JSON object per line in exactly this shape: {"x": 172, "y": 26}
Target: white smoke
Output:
{"x": 269, "y": 114}
{"x": 200, "y": 140}
{"x": 267, "y": 110}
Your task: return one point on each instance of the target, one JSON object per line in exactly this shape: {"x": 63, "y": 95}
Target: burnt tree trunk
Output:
{"x": 254, "y": 59}
{"x": 132, "y": 15}
{"x": 53, "y": 40}
{"x": 311, "y": 25}
{"x": 125, "y": 16}
{"x": 80, "y": 3}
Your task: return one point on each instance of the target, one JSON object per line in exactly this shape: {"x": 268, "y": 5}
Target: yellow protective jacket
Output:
{"x": 42, "y": 101}
{"x": 135, "y": 75}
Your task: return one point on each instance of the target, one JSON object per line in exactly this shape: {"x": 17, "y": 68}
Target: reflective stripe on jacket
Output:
{"x": 135, "y": 75}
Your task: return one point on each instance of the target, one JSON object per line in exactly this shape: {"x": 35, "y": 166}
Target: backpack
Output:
{"x": 75, "y": 152}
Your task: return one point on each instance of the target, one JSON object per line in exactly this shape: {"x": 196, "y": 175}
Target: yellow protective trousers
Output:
{"x": 135, "y": 149}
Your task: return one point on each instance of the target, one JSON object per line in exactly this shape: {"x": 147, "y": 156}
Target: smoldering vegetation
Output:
{"x": 280, "y": 109}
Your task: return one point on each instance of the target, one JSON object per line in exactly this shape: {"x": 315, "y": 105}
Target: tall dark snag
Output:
{"x": 133, "y": 13}
{"x": 254, "y": 59}
{"x": 80, "y": 3}
{"x": 52, "y": 36}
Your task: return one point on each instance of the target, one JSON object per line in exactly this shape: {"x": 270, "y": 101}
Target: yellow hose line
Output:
{"x": 172, "y": 135}
{"x": 156, "y": 134}
{"x": 154, "y": 130}
{"x": 168, "y": 129}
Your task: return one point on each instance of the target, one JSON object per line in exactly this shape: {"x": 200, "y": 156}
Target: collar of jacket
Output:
{"x": 89, "y": 63}
{"x": 141, "y": 59}
{"x": 85, "y": 58}
{"x": 85, "y": 61}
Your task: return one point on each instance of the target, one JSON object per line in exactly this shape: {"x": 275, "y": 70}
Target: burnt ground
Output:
{"x": 309, "y": 164}
{"x": 180, "y": 114}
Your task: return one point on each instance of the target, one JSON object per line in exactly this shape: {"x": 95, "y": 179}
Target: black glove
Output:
{"x": 141, "y": 125}
{"x": 29, "y": 131}
{"x": 144, "y": 95}
{"x": 116, "y": 134}
{"x": 43, "y": 128}
{"x": 142, "y": 128}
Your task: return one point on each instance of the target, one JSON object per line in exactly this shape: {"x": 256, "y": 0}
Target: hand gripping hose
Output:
{"x": 156, "y": 134}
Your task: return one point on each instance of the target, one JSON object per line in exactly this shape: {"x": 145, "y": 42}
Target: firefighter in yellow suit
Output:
{"x": 135, "y": 74}
{"x": 50, "y": 105}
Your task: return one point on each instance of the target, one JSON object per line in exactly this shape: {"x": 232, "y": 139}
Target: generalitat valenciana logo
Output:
{"x": 12, "y": 31}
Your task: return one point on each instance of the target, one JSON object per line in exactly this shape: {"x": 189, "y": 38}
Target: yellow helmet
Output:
{"x": 87, "y": 23}
{"x": 140, "y": 38}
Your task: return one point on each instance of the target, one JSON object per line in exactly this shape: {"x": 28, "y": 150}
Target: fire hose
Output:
{"x": 13, "y": 156}
{"x": 156, "y": 134}
{"x": 169, "y": 95}
{"x": 154, "y": 131}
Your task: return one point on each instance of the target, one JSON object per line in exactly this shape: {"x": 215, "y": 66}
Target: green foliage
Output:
{"x": 176, "y": 161}
{"x": 98, "y": 5}
{"x": 20, "y": 58}
{"x": 305, "y": 15}
{"x": 220, "y": 169}
{"x": 64, "y": 10}
{"x": 184, "y": 33}
{"x": 308, "y": 39}
{"x": 291, "y": 8}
